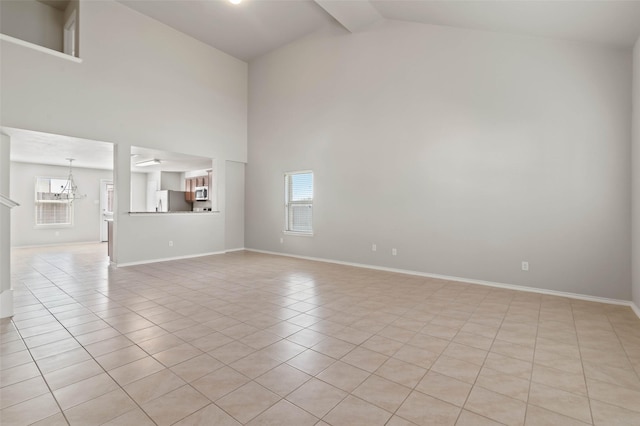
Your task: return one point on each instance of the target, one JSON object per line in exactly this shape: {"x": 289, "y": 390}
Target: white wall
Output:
{"x": 235, "y": 206}
{"x": 636, "y": 175}
{"x": 139, "y": 83}
{"x": 73, "y": 6}
{"x": 32, "y": 21}
{"x": 467, "y": 151}
{"x": 138, "y": 192}
{"x": 153, "y": 185}
{"x": 87, "y": 218}
{"x": 173, "y": 181}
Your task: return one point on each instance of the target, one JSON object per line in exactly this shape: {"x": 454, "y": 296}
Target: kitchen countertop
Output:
{"x": 172, "y": 213}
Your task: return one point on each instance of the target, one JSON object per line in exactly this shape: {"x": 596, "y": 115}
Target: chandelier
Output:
{"x": 70, "y": 190}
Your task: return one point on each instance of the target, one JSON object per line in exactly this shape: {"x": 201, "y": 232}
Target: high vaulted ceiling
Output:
{"x": 246, "y": 30}
{"x": 255, "y": 27}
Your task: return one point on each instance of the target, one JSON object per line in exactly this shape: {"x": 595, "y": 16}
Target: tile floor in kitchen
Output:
{"x": 247, "y": 338}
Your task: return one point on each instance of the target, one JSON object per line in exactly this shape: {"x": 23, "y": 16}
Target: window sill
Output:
{"x": 53, "y": 226}
{"x": 298, "y": 234}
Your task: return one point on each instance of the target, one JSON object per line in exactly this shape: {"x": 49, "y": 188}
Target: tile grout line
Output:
{"x": 83, "y": 347}
{"x": 374, "y": 374}
{"x": 589, "y": 398}
{"x": 483, "y": 363}
{"x": 189, "y": 384}
{"x": 584, "y": 374}
{"x": 624, "y": 348}
{"x": 134, "y": 344}
{"x": 34, "y": 360}
{"x": 533, "y": 364}
{"x": 303, "y": 294}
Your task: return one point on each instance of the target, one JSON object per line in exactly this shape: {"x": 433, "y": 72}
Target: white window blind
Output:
{"x": 52, "y": 207}
{"x": 299, "y": 202}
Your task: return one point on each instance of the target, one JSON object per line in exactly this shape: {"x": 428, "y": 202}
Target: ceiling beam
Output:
{"x": 353, "y": 15}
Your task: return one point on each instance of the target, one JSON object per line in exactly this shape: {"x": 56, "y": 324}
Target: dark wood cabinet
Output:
{"x": 190, "y": 185}
{"x": 190, "y": 188}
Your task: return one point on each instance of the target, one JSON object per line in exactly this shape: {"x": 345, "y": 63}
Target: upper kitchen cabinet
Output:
{"x": 52, "y": 24}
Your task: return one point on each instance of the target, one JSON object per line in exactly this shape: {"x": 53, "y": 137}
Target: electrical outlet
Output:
{"x": 57, "y": 233}
{"x": 374, "y": 247}
{"x": 281, "y": 240}
{"x": 525, "y": 265}
{"x": 394, "y": 252}
{"x": 170, "y": 243}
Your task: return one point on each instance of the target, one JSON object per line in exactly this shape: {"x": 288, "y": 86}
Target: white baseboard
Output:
{"x": 71, "y": 243}
{"x": 466, "y": 280}
{"x": 166, "y": 259}
{"x": 6, "y": 303}
{"x": 234, "y": 249}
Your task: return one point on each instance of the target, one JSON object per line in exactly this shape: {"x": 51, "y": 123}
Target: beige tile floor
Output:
{"x": 247, "y": 338}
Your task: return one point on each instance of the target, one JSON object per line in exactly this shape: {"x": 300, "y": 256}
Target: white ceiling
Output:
{"x": 170, "y": 161}
{"x": 44, "y": 148}
{"x": 610, "y": 23}
{"x": 246, "y": 30}
{"x": 255, "y": 27}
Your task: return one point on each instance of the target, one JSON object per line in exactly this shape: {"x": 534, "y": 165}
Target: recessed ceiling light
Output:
{"x": 235, "y": 1}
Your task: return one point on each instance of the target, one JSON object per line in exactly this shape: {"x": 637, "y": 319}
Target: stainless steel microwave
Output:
{"x": 202, "y": 193}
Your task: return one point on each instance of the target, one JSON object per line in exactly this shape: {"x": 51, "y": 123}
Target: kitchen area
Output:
{"x": 170, "y": 184}
{"x": 163, "y": 182}
{"x": 172, "y": 192}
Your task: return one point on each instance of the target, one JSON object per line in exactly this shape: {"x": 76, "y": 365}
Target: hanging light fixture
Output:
{"x": 70, "y": 190}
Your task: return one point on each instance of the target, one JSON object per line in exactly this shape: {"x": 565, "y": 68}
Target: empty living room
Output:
{"x": 375, "y": 212}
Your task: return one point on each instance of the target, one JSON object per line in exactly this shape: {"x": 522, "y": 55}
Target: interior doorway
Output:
{"x": 106, "y": 207}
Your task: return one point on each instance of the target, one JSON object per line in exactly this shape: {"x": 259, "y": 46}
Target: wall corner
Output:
{"x": 635, "y": 181}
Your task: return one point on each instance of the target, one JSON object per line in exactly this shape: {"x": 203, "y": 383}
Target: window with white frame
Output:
{"x": 52, "y": 205}
{"x": 299, "y": 202}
